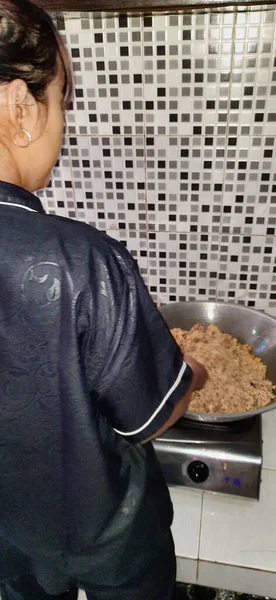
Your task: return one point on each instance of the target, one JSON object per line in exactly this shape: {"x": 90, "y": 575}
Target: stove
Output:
{"x": 216, "y": 457}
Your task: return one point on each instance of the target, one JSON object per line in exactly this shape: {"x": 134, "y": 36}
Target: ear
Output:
{"x": 22, "y": 105}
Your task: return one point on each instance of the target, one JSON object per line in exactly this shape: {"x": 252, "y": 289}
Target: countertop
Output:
{"x": 227, "y": 542}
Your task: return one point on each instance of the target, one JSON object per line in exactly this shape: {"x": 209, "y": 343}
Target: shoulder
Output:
{"x": 82, "y": 240}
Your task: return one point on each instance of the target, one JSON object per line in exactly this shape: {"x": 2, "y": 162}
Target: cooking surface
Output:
{"x": 248, "y": 326}
{"x": 223, "y": 458}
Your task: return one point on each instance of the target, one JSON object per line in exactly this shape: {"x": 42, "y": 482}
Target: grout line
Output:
{"x": 145, "y": 154}
{"x": 235, "y": 566}
{"x": 226, "y": 138}
{"x": 270, "y": 469}
{"x": 66, "y": 137}
{"x": 199, "y": 537}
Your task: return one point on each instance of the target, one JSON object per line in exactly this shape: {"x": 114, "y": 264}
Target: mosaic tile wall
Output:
{"x": 170, "y": 147}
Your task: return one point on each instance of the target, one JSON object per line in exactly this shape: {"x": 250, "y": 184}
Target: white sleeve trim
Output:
{"x": 169, "y": 393}
{"x": 18, "y": 206}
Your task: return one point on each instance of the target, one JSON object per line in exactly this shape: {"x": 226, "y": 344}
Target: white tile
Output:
{"x": 251, "y": 581}
{"x": 186, "y": 570}
{"x": 186, "y": 525}
{"x": 269, "y": 439}
{"x": 241, "y": 532}
{"x": 271, "y": 311}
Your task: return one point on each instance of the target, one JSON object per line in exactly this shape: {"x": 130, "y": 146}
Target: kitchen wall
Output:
{"x": 170, "y": 147}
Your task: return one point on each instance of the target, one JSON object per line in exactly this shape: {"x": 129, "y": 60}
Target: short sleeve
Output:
{"x": 141, "y": 374}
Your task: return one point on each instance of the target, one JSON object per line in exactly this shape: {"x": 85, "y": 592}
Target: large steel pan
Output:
{"x": 247, "y": 325}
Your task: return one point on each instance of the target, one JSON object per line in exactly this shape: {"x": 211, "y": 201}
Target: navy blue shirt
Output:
{"x": 88, "y": 370}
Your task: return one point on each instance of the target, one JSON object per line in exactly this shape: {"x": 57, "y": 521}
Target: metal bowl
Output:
{"x": 247, "y": 325}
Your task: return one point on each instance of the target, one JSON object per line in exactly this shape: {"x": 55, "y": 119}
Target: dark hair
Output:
{"x": 31, "y": 48}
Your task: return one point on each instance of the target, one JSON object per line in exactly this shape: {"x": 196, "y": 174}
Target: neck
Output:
{"x": 8, "y": 169}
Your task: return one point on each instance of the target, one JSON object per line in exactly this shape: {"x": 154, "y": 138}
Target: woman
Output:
{"x": 88, "y": 369}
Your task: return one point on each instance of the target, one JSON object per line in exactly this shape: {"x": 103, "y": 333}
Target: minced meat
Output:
{"x": 237, "y": 379}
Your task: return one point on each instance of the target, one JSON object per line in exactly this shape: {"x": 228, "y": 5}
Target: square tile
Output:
{"x": 182, "y": 61}
{"x": 182, "y": 266}
{"x": 186, "y": 570}
{"x": 269, "y": 440}
{"x": 246, "y": 270}
{"x": 237, "y": 579}
{"x": 172, "y": 132}
{"x": 108, "y": 68}
{"x": 186, "y": 524}
{"x": 252, "y": 75}
{"x": 249, "y": 191}
{"x": 184, "y": 183}
{"x": 271, "y": 312}
{"x": 109, "y": 181}
{"x": 59, "y": 197}
{"x": 137, "y": 244}
{"x": 228, "y": 530}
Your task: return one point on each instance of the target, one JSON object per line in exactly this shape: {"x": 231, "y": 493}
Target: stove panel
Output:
{"x": 225, "y": 458}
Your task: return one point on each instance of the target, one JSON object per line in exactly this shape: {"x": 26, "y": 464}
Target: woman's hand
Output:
{"x": 199, "y": 372}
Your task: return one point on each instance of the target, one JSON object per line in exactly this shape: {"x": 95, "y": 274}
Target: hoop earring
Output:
{"x": 22, "y": 139}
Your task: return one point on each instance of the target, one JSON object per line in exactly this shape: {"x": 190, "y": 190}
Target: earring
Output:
{"x": 22, "y": 139}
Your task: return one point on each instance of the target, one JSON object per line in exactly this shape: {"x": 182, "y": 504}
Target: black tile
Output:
{"x": 123, "y": 21}
{"x": 124, "y": 51}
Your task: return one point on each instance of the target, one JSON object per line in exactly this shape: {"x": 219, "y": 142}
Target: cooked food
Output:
{"x": 237, "y": 379}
